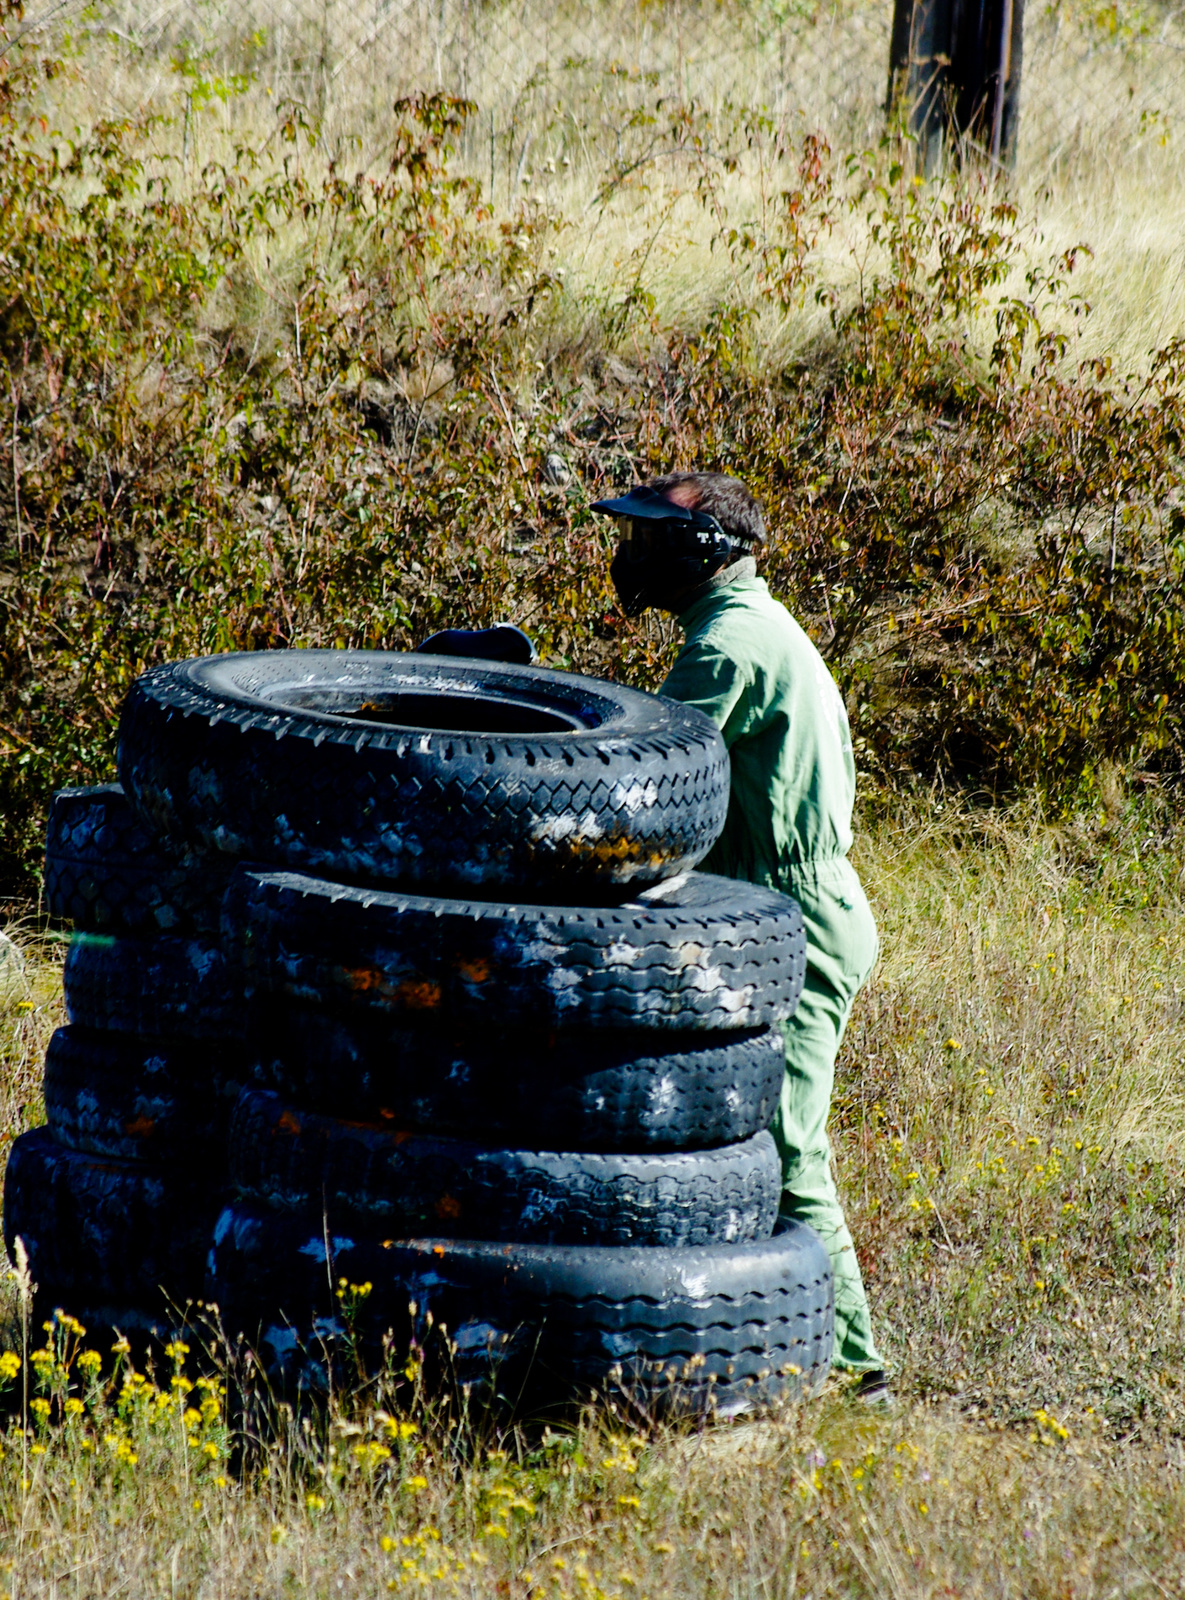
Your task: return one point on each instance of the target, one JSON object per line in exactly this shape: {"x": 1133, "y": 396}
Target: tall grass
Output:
{"x": 1012, "y": 1113}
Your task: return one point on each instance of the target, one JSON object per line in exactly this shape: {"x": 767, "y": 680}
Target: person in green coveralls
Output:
{"x": 688, "y": 545}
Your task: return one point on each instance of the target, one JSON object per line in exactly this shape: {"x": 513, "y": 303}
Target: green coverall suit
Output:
{"x": 750, "y": 667}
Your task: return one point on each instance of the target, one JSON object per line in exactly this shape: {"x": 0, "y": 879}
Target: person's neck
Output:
{"x": 744, "y": 567}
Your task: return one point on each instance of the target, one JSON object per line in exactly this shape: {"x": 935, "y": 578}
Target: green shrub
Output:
{"x": 988, "y": 546}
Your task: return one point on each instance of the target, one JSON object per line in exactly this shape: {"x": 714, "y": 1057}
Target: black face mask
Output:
{"x": 658, "y": 560}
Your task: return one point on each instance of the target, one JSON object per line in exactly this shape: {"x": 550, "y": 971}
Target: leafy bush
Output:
{"x": 301, "y": 399}
{"x": 987, "y": 538}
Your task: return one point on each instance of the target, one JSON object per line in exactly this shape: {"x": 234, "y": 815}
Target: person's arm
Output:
{"x": 711, "y": 681}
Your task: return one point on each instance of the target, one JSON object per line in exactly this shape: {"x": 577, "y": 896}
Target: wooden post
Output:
{"x": 1003, "y": 71}
{"x": 985, "y": 75}
{"x": 1011, "y": 61}
{"x": 954, "y": 76}
{"x": 919, "y": 86}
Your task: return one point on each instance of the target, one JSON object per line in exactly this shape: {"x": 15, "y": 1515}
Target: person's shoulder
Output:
{"x": 746, "y": 618}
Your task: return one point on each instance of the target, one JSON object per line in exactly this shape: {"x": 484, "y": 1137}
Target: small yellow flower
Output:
{"x": 416, "y": 1483}
{"x": 73, "y": 1407}
{"x": 314, "y": 1502}
{"x": 10, "y": 1366}
{"x": 398, "y": 1429}
{"x": 39, "y": 1408}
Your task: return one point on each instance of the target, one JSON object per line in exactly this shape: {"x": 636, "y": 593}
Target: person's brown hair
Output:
{"x": 722, "y": 497}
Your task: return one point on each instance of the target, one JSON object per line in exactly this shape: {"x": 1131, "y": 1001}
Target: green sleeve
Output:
{"x": 712, "y": 682}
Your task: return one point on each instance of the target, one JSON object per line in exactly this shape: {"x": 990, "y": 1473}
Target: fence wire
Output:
{"x": 1097, "y": 75}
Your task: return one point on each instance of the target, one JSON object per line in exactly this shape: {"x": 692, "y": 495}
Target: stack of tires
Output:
{"x": 512, "y": 1058}
{"x": 115, "y": 1197}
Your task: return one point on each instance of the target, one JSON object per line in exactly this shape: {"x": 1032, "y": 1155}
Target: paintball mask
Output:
{"x": 665, "y": 549}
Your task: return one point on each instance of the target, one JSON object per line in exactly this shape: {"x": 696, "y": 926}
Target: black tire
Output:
{"x": 106, "y": 873}
{"x": 117, "y": 1095}
{"x": 390, "y": 1181}
{"x": 497, "y": 775}
{"x": 101, "y": 1230}
{"x": 724, "y": 1327}
{"x": 159, "y": 988}
{"x": 703, "y": 953}
{"x": 601, "y": 1091}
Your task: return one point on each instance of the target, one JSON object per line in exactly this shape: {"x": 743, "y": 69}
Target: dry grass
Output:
{"x": 822, "y": 1503}
{"x": 561, "y": 126}
{"x": 1012, "y": 1114}
{"x": 1009, "y": 1121}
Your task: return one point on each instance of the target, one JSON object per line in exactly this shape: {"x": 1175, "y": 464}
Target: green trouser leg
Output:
{"x": 841, "y": 947}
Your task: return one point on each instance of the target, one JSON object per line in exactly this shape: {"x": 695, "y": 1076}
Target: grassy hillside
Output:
{"x": 1008, "y": 1136}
